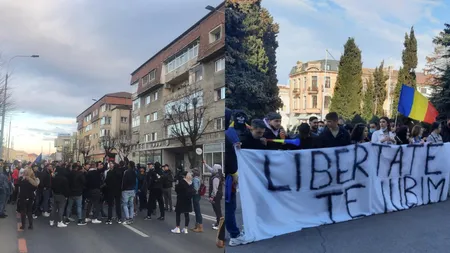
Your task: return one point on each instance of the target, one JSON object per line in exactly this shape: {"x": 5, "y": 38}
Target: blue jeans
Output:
{"x": 77, "y": 200}
{"x": 198, "y": 213}
{"x": 2, "y": 201}
{"x": 230, "y": 216}
{"x": 128, "y": 204}
{"x": 45, "y": 200}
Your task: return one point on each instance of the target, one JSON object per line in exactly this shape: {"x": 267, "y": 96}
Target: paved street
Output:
{"x": 418, "y": 230}
{"x": 142, "y": 236}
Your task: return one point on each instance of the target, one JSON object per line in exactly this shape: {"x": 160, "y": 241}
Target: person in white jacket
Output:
{"x": 384, "y": 135}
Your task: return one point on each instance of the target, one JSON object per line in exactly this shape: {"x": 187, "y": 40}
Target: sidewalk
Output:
{"x": 8, "y": 232}
{"x": 418, "y": 230}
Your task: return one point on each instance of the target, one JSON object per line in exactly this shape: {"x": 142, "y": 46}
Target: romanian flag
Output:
{"x": 416, "y": 106}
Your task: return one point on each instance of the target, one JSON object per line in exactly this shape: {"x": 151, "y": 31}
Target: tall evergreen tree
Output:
{"x": 406, "y": 74}
{"x": 368, "y": 101}
{"x": 441, "y": 95}
{"x": 250, "y": 58}
{"x": 379, "y": 86}
{"x": 346, "y": 100}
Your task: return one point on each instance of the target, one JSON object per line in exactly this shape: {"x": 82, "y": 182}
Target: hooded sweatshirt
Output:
{"x": 60, "y": 184}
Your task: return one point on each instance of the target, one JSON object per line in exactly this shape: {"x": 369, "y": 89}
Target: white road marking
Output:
{"x": 135, "y": 230}
{"x": 207, "y": 217}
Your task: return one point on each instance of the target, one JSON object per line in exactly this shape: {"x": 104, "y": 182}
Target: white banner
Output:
{"x": 286, "y": 191}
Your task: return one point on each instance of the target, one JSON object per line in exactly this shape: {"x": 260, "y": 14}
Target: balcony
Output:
{"x": 313, "y": 90}
{"x": 181, "y": 73}
{"x": 296, "y": 90}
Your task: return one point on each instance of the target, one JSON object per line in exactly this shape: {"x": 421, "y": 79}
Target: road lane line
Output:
{"x": 135, "y": 230}
{"x": 22, "y": 246}
{"x": 206, "y": 217}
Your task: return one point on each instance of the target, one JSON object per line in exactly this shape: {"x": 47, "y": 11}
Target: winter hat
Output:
{"x": 273, "y": 116}
{"x": 217, "y": 167}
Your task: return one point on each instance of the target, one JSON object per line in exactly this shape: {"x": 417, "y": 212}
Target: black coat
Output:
{"x": 27, "y": 190}
{"x": 327, "y": 140}
{"x": 185, "y": 192}
{"x": 167, "y": 179}
{"x": 77, "y": 183}
{"x": 113, "y": 182}
{"x": 248, "y": 142}
{"x": 60, "y": 185}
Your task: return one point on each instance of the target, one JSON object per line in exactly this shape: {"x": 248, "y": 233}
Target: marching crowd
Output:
{"x": 333, "y": 132}
{"x": 58, "y": 190}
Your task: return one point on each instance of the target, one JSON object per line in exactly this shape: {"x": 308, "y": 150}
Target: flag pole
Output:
{"x": 396, "y": 117}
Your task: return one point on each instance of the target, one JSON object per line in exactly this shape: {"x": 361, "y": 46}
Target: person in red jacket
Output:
{"x": 15, "y": 176}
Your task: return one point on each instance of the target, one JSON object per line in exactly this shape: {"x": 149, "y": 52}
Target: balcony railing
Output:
{"x": 313, "y": 89}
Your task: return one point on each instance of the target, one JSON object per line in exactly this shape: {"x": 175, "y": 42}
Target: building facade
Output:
{"x": 109, "y": 117}
{"x": 191, "y": 67}
{"x": 285, "y": 111}
{"x": 312, "y": 84}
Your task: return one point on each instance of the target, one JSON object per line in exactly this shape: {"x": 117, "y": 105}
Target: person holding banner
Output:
{"x": 384, "y": 135}
{"x": 255, "y": 138}
{"x": 416, "y": 135}
{"x": 274, "y": 130}
{"x": 334, "y": 135}
{"x": 359, "y": 134}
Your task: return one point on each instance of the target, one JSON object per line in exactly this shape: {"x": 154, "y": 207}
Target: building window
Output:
{"x": 104, "y": 132}
{"x": 147, "y": 137}
{"x": 88, "y": 128}
{"x": 88, "y": 118}
{"x": 181, "y": 58}
{"x": 213, "y": 154}
{"x": 152, "y": 75}
{"x": 220, "y": 64}
{"x": 327, "y": 82}
{"x": 314, "y": 101}
{"x": 327, "y": 102}
{"x": 147, "y": 100}
{"x": 136, "y": 121}
{"x": 154, "y": 136}
{"x": 105, "y": 121}
{"x": 134, "y": 87}
{"x": 95, "y": 113}
{"x": 155, "y": 116}
{"x": 305, "y": 80}
{"x": 104, "y": 108}
{"x": 219, "y": 124}
{"x": 220, "y": 94}
{"x": 328, "y": 67}
{"x": 215, "y": 34}
{"x": 147, "y": 118}
{"x": 304, "y": 102}
{"x": 314, "y": 82}
{"x": 123, "y": 132}
{"x": 198, "y": 75}
{"x": 136, "y": 104}
{"x": 155, "y": 96}
{"x": 123, "y": 119}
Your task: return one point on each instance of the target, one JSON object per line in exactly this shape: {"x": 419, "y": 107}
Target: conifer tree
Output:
{"x": 346, "y": 100}
{"x": 379, "y": 89}
{"x": 441, "y": 95}
{"x": 368, "y": 101}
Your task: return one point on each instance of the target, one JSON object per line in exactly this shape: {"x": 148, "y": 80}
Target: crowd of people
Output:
{"x": 333, "y": 132}
{"x": 61, "y": 191}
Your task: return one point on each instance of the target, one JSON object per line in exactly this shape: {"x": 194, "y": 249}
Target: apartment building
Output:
{"x": 194, "y": 62}
{"x": 312, "y": 87}
{"x": 108, "y": 117}
{"x": 63, "y": 141}
{"x": 285, "y": 111}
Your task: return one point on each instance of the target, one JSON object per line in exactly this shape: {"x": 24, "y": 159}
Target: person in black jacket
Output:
{"x": 142, "y": 189}
{"x": 167, "y": 187}
{"x": 61, "y": 190}
{"x": 128, "y": 193}
{"x": 334, "y": 135}
{"x": 93, "y": 193}
{"x": 113, "y": 182}
{"x": 44, "y": 190}
{"x": 185, "y": 191}
{"x": 445, "y": 130}
{"x": 307, "y": 140}
{"x": 155, "y": 186}
{"x": 28, "y": 185}
{"x": 254, "y": 139}
{"x": 274, "y": 130}
{"x": 77, "y": 182}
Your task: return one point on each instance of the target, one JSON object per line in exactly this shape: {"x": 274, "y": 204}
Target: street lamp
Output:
{"x": 5, "y": 96}
{"x": 210, "y": 8}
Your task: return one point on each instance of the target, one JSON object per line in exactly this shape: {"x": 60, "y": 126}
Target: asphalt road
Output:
{"x": 142, "y": 236}
{"x": 418, "y": 230}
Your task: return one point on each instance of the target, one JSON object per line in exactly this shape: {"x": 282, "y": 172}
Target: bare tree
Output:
{"x": 66, "y": 154}
{"x": 185, "y": 119}
{"x": 109, "y": 143}
{"x": 84, "y": 148}
{"x": 123, "y": 146}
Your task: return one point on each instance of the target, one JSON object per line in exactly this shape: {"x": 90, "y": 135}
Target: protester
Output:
{"x": 93, "y": 193}
{"x": 185, "y": 191}
{"x": 77, "y": 183}
{"x": 314, "y": 126}
{"x": 28, "y": 184}
{"x": 274, "y": 130}
{"x": 445, "y": 130}
{"x": 61, "y": 191}
{"x": 384, "y": 135}
{"x": 128, "y": 193}
{"x": 359, "y": 134}
{"x": 321, "y": 126}
{"x": 15, "y": 177}
{"x": 435, "y": 136}
{"x": 373, "y": 126}
{"x": 334, "y": 134}
{"x": 167, "y": 187}
{"x": 196, "y": 183}
{"x": 142, "y": 189}
{"x": 255, "y": 138}
{"x": 416, "y": 135}
{"x": 216, "y": 193}
{"x": 307, "y": 141}
{"x": 155, "y": 185}
{"x": 402, "y": 135}
{"x": 5, "y": 189}
{"x": 113, "y": 184}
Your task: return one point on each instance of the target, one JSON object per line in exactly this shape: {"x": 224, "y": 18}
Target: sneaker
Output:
{"x": 87, "y": 220}
{"x": 161, "y": 218}
{"x": 176, "y": 231}
{"x": 52, "y": 223}
{"x": 184, "y": 231}
{"x": 35, "y": 216}
{"x": 61, "y": 225}
{"x": 45, "y": 214}
{"x": 238, "y": 241}
{"x": 108, "y": 222}
{"x": 215, "y": 227}
{"x": 119, "y": 221}
{"x": 96, "y": 221}
{"x": 71, "y": 219}
{"x": 148, "y": 218}
{"x": 81, "y": 223}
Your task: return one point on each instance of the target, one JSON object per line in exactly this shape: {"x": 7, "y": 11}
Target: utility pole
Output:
{"x": 323, "y": 86}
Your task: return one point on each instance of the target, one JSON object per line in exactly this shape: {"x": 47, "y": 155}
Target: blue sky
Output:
{"x": 87, "y": 49}
{"x": 308, "y": 27}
